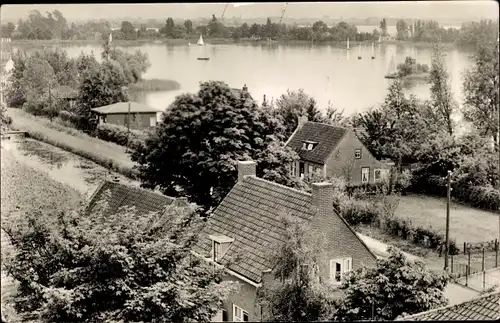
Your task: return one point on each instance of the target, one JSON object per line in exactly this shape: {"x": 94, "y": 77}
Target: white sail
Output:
{"x": 200, "y": 41}
{"x": 380, "y": 39}
{"x": 348, "y": 43}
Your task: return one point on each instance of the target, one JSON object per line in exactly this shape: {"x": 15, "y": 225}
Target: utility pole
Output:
{"x": 50, "y": 104}
{"x": 498, "y": 140}
{"x": 447, "y": 242}
{"x": 128, "y": 125}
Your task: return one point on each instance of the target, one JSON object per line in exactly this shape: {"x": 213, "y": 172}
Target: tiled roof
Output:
{"x": 251, "y": 215}
{"x": 144, "y": 201}
{"x": 486, "y": 307}
{"x": 327, "y": 137}
{"x": 122, "y": 107}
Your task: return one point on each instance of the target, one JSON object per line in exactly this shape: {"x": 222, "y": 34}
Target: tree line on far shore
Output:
{"x": 55, "y": 26}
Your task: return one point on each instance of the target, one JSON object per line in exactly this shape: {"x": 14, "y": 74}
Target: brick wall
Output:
{"x": 245, "y": 298}
{"x": 138, "y": 120}
{"x": 341, "y": 163}
{"x": 337, "y": 239}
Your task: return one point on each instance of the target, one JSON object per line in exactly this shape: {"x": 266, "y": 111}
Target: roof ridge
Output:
{"x": 140, "y": 189}
{"x": 452, "y": 305}
{"x": 279, "y": 185}
{"x": 327, "y": 124}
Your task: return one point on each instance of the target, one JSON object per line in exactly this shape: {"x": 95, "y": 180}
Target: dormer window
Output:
{"x": 308, "y": 145}
{"x": 220, "y": 244}
{"x": 357, "y": 153}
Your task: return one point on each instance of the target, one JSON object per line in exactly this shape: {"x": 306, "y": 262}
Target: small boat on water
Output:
{"x": 392, "y": 70}
{"x": 203, "y": 58}
{"x": 200, "y": 41}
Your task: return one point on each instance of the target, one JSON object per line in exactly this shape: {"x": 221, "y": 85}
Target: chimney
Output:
{"x": 322, "y": 198}
{"x": 301, "y": 122}
{"x": 245, "y": 168}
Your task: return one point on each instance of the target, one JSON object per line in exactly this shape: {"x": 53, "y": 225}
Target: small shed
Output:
{"x": 66, "y": 94}
{"x": 141, "y": 116}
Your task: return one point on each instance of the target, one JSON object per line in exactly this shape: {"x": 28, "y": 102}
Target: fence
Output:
{"x": 471, "y": 268}
{"x": 478, "y": 246}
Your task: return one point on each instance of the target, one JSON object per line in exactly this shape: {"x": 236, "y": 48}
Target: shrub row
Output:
{"x": 357, "y": 212}
{"x": 482, "y": 197}
{"x": 119, "y": 135}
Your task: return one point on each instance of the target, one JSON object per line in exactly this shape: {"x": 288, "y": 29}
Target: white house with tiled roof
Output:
{"x": 248, "y": 223}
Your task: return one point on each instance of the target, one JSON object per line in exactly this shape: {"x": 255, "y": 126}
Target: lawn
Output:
{"x": 467, "y": 224}
{"x": 23, "y": 190}
{"x": 104, "y": 153}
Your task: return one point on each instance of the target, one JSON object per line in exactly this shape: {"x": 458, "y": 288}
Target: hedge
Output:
{"x": 357, "y": 212}
{"x": 482, "y": 197}
{"x": 119, "y": 135}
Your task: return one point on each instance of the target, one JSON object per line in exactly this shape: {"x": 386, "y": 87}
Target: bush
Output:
{"x": 357, "y": 212}
{"x": 119, "y": 135}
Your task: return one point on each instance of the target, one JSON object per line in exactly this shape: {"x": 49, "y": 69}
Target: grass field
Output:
{"x": 104, "y": 153}
{"x": 467, "y": 224}
{"x": 23, "y": 190}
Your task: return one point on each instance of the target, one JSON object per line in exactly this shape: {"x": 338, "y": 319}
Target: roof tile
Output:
{"x": 327, "y": 137}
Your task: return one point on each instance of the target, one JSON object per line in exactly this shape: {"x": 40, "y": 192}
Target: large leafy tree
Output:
{"x": 441, "y": 95}
{"x": 102, "y": 85}
{"x": 294, "y": 104}
{"x": 396, "y": 286}
{"x": 119, "y": 267}
{"x": 294, "y": 293}
{"x": 15, "y": 96}
{"x": 196, "y": 147}
{"x": 481, "y": 90}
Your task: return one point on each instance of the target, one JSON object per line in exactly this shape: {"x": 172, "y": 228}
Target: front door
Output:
{"x": 301, "y": 169}
{"x": 152, "y": 121}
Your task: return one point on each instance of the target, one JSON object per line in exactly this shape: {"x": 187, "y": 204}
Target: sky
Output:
{"x": 473, "y": 9}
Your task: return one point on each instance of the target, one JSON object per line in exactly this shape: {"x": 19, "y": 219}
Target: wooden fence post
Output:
{"x": 497, "y": 243}
{"x": 482, "y": 263}
{"x": 466, "y": 275}
{"x": 468, "y": 264}
{"x": 484, "y": 278}
{"x": 464, "y": 248}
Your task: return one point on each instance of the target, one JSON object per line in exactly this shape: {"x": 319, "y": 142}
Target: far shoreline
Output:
{"x": 215, "y": 41}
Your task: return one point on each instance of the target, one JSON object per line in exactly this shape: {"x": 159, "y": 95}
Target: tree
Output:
{"x": 294, "y": 104}
{"x": 169, "y": 27}
{"x": 103, "y": 85}
{"x": 202, "y": 136}
{"x": 395, "y": 287}
{"x": 68, "y": 263}
{"x": 15, "y": 96}
{"x": 8, "y": 29}
{"x": 481, "y": 91}
{"x": 295, "y": 294}
{"x": 441, "y": 96}
{"x": 37, "y": 76}
{"x": 402, "y": 30}
{"x": 128, "y": 30}
{"x": 188, "y": 24}
{"x": 383, "y": 27}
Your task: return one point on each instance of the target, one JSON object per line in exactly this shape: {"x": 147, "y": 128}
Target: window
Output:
{"x": 339, "y": 267}
{"x": 357, "y": 153}
{"x": 294, "y": 169}
{"x": 217, "y": 250}
{"x": 310, "y": 169}
{"x": 301, "y": 169}
{"x": 304, "y": 145}
{"x": 239, "y": 315}
{"x": 377, "y": 175}
{"x": 152, "y": 121}
{"x": 309, "y": 146}
{"x": 365, "y": 174}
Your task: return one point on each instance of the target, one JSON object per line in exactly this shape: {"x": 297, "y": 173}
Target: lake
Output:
{"x": 327, "y": 73}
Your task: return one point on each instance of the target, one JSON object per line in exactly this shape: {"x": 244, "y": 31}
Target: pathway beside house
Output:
{"x": 455, "y": 293}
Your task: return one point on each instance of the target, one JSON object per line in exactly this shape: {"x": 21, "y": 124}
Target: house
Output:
{"x": 122, "y": 195}
{"x": 66, "y": 94}
{"x": 248, "y": 223}
{"x": 484, "y": 308}
{"x": 334, "y": 152}
{"x": 141, "y": 116}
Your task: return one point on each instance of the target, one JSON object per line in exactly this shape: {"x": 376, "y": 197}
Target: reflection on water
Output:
{"x": 74, "y": 171}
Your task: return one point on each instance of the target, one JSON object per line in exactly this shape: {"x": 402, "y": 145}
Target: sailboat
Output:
{"x": 373, "y": 50}
{"x": 200, "y": 43}
{"x": 348, "y": 44}
{"x": 379, "y": 39}
{"x": 359, "y": 51}
{"x": 392, "y": 69}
